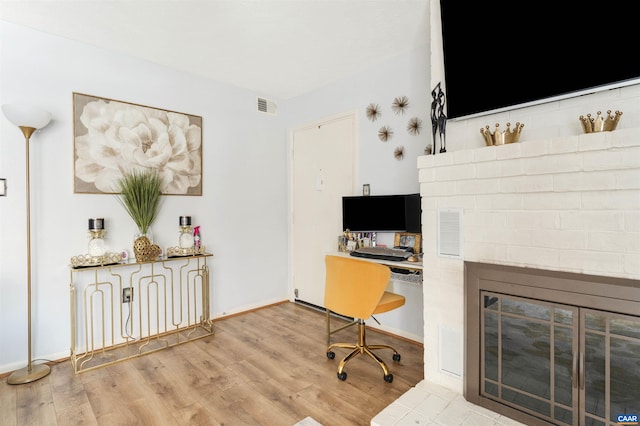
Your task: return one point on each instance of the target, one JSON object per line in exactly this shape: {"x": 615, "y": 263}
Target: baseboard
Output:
{"x": 321, "y": 309}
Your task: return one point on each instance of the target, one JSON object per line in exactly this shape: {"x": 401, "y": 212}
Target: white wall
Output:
{"x": 242, "y": 212}
{"x": 405, "y": 75}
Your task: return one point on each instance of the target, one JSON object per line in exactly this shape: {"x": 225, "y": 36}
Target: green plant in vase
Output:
{"x": 140, "y": 195}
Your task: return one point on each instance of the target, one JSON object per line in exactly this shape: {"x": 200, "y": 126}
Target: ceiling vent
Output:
{"x": 266, "y": 106}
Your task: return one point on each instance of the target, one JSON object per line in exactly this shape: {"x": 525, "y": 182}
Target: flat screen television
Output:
{"x": 504, "y": 55}
{"x": 382, "y": 213}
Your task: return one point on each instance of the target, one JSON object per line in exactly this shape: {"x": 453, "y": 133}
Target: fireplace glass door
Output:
{"x": 528, "y": 361}
{"x": 611, "y": 386}
{"x": 563, "y": 364}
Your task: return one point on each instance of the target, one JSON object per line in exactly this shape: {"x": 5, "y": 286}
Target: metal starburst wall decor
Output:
{"x": 373, "y": 111}
{"x": 398, "y": 153}
{"x": 400, "y": 105}
{"x": 414, "y": 126}
{"x": 385, "y": 133}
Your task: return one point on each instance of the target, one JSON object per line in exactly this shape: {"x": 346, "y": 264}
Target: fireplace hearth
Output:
{"x": 550, "y": 347}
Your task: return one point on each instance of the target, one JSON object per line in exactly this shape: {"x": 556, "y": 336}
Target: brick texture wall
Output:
{"x": 568, "y": 203}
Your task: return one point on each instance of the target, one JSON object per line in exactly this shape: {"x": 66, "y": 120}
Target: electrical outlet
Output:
{"x": 127, "y": 294}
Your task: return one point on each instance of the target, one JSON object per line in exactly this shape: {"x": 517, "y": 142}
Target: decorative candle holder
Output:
{"x": 96, "y": 224}
{"x": 98, "y": 255}
{"x": 185, "y": 238}
{"x": 97, "y": 246}
{"x": 187, "y": 245}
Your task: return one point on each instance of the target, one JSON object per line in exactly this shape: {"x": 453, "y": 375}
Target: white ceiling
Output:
{"x": 277, "y": 48}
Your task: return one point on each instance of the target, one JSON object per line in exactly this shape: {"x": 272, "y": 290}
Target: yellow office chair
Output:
{"x": 356, "y": 288}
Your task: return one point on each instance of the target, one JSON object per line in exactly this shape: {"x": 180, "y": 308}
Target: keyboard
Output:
{"x": 382, "y": 253}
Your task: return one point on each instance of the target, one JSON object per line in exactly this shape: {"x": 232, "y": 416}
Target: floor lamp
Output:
{"x": 28, "y": 119}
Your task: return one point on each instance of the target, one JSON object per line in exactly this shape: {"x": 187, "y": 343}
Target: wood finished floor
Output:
{"x": 265, "y": 367}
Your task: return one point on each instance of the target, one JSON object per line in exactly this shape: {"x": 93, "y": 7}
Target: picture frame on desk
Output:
{"x": 408, "y": 239}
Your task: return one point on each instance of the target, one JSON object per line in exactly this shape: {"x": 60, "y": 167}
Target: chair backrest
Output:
{"x": 354, "y": 287}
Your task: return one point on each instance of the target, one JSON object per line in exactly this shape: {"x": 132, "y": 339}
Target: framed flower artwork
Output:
{"x": 112, "y": 138}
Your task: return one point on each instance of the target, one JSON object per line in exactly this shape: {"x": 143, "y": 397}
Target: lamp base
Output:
{"x": 26, "y": 375}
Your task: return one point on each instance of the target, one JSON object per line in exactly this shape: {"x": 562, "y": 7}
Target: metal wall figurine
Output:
{"x": 438, "y": 118}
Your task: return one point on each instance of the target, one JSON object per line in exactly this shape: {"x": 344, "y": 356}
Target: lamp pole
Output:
{"x": 28, "y": 119}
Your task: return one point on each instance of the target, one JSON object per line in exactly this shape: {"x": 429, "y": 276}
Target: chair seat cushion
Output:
{"x": 388, "y": 302}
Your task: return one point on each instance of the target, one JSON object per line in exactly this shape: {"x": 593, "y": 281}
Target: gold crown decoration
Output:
{"x": 499, "y": 137}
{"x": 600, "y": 124}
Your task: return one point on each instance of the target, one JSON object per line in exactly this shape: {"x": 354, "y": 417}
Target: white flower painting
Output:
{"x": 112, "y": 138}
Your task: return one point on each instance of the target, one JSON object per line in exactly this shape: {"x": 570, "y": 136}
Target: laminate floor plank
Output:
{"x": 35, "y": 403}
{"x": 167, "y": 382}
{"x": 8, "y": 404}
{"x": 263, "y": 367}
{"x": 281, "y": 394}
{"x": 262, "y": 407}
{"x": 69, "y": 397}
{"x": 81, "y": 415}
{"x": 214, "y": 377}
{"x": 210, "y": 403}
{"x": 143, "y": 402}
{"x": 106, "y": 400}
{"x": 196, "y": 414}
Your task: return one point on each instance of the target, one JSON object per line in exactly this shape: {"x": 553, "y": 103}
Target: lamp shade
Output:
{"x": 26, "y": 115}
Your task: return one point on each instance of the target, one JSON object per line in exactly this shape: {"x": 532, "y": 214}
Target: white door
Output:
{"x": 323, "y": 170}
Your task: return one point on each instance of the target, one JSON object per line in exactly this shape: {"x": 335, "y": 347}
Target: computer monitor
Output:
{"x": 382, "y": 213}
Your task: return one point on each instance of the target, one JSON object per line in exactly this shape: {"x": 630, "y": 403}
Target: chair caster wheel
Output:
{"x": 396, "y": 357}
{"x": 331, "y": 355}
{"x": 388, "y": 378}
{"x": 342, "y": 376}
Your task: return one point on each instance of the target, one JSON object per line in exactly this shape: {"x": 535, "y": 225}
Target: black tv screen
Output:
{"x": 503, "y": 55}
{"x": 382, "y": 213}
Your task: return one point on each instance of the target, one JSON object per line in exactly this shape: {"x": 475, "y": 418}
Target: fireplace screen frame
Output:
{"x": 608, "y": 294}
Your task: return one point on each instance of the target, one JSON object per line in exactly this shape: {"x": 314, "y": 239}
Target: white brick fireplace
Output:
{"x": 564, "y": 204}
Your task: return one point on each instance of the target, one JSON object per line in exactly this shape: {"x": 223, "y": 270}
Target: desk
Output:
{"x": 414, "y": 268}
{"x": 169, "y": 306}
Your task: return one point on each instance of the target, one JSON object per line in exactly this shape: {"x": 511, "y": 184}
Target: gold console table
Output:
{"x": 168, "y": 304}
